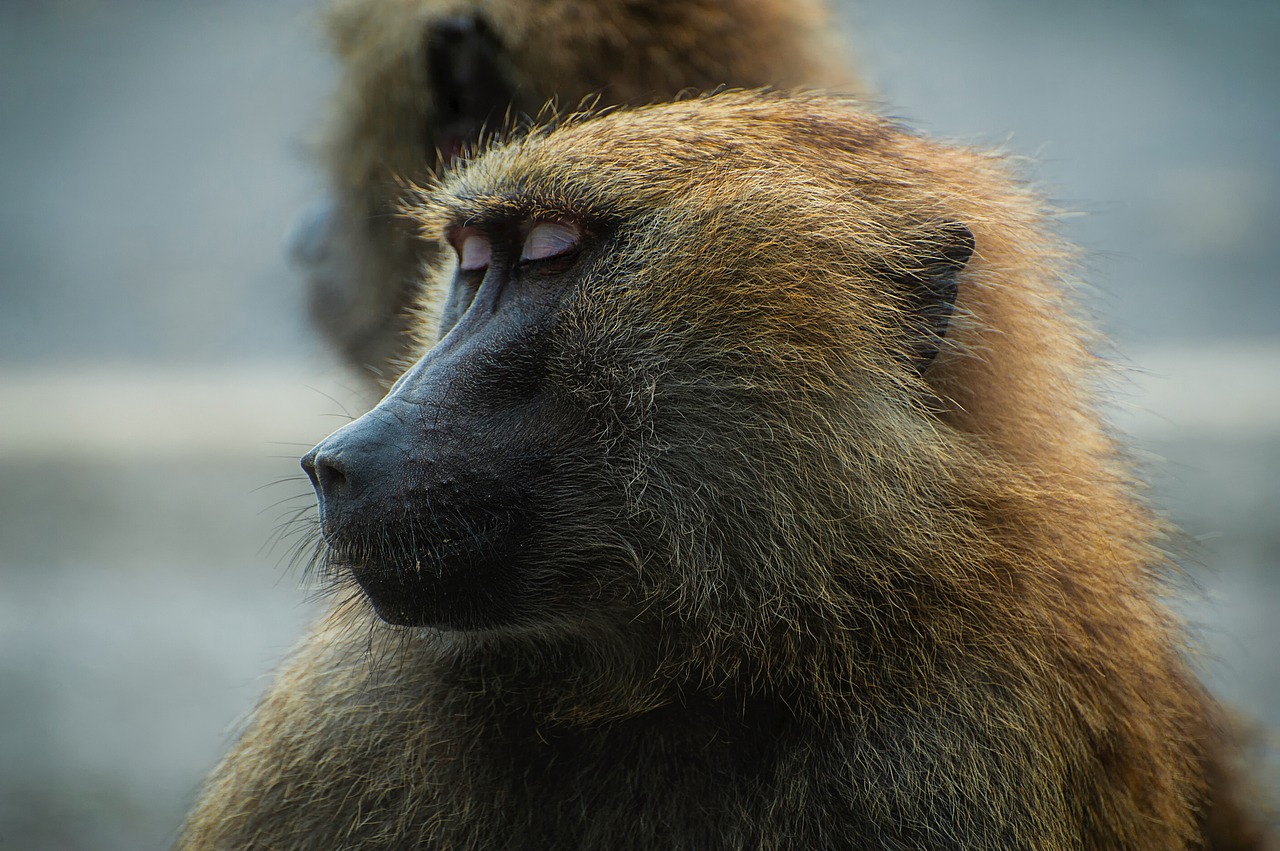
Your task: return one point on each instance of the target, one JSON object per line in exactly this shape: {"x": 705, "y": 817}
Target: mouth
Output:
{"x": 451, "y": 580}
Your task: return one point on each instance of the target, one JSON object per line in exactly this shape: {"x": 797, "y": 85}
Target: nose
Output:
{"x": 326, "y": 473}
{"x": 359, "y": 469}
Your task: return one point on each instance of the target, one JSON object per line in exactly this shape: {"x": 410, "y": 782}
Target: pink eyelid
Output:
{"x": 474, "y": 251}
{"x": 550, "y": 239}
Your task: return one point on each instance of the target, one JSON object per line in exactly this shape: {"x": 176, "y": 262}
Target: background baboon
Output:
{"x": 422, "y": 79}
{"x": 753, "y": 496}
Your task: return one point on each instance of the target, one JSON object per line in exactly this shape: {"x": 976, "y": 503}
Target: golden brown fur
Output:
{"x": 385, "y": 129}
{"x": 827, "y": 599}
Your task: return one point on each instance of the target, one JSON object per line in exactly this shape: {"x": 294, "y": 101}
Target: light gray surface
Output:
{"x": 152, "y": 159}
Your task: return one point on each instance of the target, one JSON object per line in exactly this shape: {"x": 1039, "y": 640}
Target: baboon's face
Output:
{"x": 447, "y": 499}
{"x": 650, "y": 381}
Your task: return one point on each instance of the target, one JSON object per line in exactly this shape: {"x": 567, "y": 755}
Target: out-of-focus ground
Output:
{"x": 156, "y": 376}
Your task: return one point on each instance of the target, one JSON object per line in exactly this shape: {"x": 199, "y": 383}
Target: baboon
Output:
{"x": 752, "y": 495}
{"x": 421, "y": 80}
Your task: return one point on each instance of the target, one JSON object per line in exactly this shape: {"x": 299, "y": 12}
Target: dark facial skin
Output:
{"x": 432, "y": 499}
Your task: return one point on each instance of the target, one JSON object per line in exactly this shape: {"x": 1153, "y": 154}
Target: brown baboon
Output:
{"x": 753, "y": 496}
{"x": 421, "y": 79}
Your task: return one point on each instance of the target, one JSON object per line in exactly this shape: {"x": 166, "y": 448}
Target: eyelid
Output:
{"x": 473, "y": 249}
{"x": 547, "y": 239}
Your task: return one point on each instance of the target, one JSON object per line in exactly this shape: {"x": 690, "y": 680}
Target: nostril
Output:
{"x": 330, "y": 477}
{"x": 352, "y": 469}
{"x": 326, "y": 476}
{"x": 309, "y": 467}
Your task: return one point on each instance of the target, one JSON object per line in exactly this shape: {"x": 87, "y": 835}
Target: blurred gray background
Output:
{"x": 157, "y": 377}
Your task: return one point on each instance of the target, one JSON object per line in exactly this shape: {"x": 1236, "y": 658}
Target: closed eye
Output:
{"x": 474, "y": 251}
{"x": 550, "y": 239}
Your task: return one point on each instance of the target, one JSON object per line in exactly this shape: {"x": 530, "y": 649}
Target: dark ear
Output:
{"x": 471, "y": 82}
{"x": 932, "y": 290}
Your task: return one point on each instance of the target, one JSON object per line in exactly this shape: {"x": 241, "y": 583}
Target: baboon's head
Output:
{"x": 682, "y": 377}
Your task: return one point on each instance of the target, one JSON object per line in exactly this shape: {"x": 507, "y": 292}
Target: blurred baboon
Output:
{"x": 753, "y": 496}
{"x": 421, "y": 79}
